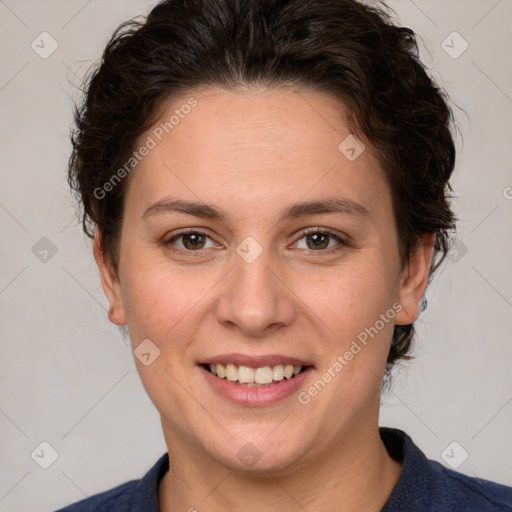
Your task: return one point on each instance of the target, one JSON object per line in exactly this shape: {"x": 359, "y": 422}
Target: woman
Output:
{"x": 267, "y": 187}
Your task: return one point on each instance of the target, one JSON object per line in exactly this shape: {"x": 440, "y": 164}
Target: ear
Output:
{"x": 414, "y": 280}
{"x": 109, "y": 282}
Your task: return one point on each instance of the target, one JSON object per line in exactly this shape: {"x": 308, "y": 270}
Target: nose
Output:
{"x": 255, "y": 298}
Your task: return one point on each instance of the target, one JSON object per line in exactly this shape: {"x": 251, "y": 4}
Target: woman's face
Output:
{"x": 291, "y": 260}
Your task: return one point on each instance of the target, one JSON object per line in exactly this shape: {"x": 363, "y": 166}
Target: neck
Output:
{"x": 358, "y": 475}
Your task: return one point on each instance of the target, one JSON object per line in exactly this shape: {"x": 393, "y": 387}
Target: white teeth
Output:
{"x": 288, "y": 371}
{"x": 263, "y": 375}
{"x": 248, "y": 376}
{"x": 278, "y": 372}
{"x": 245, "y": 374}
{"x": 221, "y": 370}
{"x": 231, "y": 372}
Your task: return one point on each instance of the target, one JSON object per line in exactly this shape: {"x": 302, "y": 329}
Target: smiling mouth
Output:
{"x": 263, "y": 376}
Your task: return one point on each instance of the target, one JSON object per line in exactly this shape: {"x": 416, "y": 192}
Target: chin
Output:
{"x": 274, "y": 452}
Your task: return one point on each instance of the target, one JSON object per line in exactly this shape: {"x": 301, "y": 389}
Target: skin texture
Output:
{"x": 252, "y": 152}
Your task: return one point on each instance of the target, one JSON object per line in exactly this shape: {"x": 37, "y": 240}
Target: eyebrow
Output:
{"x": 336, "y": 204}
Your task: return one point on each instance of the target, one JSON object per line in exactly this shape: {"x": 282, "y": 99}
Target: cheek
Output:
{"x": 347, "y": 305}
{"x": 349, "y": 298}
{"x": 162, "y": 301}
{"x": 164, "y": 305}
{"x": 356, "y": 343}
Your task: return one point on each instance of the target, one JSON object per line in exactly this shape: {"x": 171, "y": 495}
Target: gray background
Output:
{"x": 67, "y": 375}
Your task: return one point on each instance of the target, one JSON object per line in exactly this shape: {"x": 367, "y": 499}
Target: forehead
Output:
{"x": 256, "y": 149}
{"x": 279, "y": 124}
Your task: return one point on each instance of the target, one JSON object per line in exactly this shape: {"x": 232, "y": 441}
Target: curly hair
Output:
{"x": 351, "y": 50}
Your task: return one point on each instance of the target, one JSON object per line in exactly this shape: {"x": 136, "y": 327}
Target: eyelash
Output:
{"x": 341, "y": 242}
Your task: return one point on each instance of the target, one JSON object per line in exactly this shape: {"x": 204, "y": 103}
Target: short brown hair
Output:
{"x": 348, "y": 49}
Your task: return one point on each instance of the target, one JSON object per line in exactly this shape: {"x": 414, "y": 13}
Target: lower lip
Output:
{"x": 267, "y": 395}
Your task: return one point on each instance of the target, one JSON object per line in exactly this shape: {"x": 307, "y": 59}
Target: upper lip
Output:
{"x": 255, "y": 361}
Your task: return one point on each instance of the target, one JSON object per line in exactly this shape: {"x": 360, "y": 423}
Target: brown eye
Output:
{"x": 318, "y": 240}
{"x": 321, "y": 241}
{"x": 189, "y": 241}
{"x": 193, "y": 240}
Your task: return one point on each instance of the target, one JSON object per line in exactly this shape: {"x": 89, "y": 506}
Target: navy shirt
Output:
{"x": 424, "y": 485}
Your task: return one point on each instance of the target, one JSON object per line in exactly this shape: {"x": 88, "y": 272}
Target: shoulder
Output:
{"x": 133, "y": 496}
{"x": 115, "y": 500}
{"x": 471, "y": 492}
{"x": 426, "y": 485}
